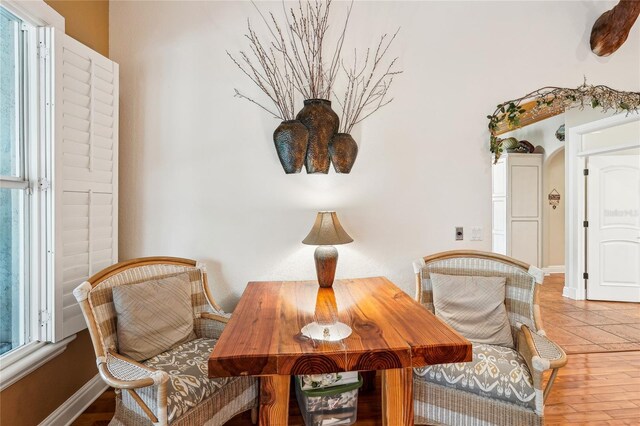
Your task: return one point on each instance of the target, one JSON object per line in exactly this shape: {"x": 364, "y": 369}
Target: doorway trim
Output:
{"x": 575, "y": 160}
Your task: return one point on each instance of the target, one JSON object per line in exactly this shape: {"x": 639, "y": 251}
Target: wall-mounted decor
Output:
{"x": 291, "y": 62}
{"x": 560, "y": 133}
{"x": 611, "y": 29}
{"x": 554, "y": 198}
{"x": 322, "y": 123}
{"x": 549, "y": 101}
{"x": 291, "y": 139}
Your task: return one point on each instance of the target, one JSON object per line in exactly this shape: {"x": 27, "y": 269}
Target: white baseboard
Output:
{"x": 573, "y": 293}
{"x": 77, "y": 403}
{"x": 569, "y": 292}
{"x": 553, "y": 269}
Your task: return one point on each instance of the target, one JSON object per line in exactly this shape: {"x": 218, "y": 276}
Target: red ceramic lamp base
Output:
{"x": 326, "y": 258}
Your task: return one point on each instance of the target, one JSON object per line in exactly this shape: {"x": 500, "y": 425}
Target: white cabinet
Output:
{"x": 517, "y": 207}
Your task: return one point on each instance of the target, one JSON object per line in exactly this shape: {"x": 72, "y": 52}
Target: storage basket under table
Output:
{"x": 332, "y": 406}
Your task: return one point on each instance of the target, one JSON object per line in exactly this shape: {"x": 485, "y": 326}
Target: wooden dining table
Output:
{"x": 285, "y": 328}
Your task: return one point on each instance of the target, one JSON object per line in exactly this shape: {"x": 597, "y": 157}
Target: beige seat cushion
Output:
{"x": 474, "y": 307}
{"x": 153, "y": 316}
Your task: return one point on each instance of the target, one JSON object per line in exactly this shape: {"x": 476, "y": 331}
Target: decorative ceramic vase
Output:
{"x": 343, "y": 151}
{"x": 560, "y": 133}
{"x": 509, "y": 144}
{"x": 322, "y": 123}
{"x": 291, "y": 138}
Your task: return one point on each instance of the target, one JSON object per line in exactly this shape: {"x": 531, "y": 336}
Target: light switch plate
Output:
{"x": 476, "y": 233}
{"x": 459, "y": 233}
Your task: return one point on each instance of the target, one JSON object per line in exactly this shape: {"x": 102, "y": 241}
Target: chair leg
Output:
{"x": 254, "y": 415}
{"x": 547, "y": 389}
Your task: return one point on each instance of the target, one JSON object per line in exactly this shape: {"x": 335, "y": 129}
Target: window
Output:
{"x": 58, "y": 181}
{"x": 15, "y": 215}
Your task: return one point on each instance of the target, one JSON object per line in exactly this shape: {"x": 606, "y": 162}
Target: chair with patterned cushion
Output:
{"x": 501, "y": 385}
{"x": 170, "y": 387}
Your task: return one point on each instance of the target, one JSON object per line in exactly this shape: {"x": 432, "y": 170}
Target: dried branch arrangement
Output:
{"x": 307, "y": 29}
{"x": 296, "y": 59}
{"x": 368, "y": 84}
{"x": 293, "y": 59}
{"x": 559, "y": 97}
{"x": 271, "y": 72}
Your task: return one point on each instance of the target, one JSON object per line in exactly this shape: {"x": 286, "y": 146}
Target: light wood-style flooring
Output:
{"x": 596, "y": 389}
{"x": 599, "y": 386}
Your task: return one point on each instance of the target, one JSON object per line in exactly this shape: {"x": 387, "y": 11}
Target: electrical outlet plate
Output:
{"x": 476, "y": 233}
{"x": 459, "y": 233}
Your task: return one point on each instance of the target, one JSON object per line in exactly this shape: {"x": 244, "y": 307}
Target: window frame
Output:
{"x": 37, "y": 150}
{"x": 21, "y": 179}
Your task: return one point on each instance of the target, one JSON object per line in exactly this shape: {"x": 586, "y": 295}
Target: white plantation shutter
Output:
{"x": 85, "y": 180}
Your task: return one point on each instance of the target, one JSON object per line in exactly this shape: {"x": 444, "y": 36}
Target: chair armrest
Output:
{"x": 211, "y": 325}
{"x": 123, "y": 372}
{"x": 542, "y": 353}
{"x": 221, "y": 317}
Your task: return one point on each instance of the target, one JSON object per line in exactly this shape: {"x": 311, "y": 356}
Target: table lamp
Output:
{"x": 326, "y": 233}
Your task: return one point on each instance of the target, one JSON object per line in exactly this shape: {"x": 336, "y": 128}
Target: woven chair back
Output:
{"x": 101, "y": 295}
{"x": 520, "y": 294}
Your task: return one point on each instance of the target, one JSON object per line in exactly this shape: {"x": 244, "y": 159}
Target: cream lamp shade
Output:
{"x": 327, "y": 231}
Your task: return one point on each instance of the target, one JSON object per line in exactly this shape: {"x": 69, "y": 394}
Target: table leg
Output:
{"x": 274, "y": 400}
{"x": 397, "y": 397}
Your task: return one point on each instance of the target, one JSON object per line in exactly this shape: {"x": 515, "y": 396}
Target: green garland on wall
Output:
{"x": 551, "y": 97}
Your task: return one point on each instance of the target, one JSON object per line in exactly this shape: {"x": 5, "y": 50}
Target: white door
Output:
{"x": 613, "y": 236}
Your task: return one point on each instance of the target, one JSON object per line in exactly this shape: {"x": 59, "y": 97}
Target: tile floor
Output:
{"x": 583, "y": 326}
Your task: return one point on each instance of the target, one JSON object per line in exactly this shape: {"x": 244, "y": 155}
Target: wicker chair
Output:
{"x": 501, "y": 386}
{"x": 170, "y": 388}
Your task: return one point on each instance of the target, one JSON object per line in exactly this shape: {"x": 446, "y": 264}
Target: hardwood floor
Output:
{"x": 596, "y": 388}
{"x": 600, "y": 386}
{"x": 593, "y": 389}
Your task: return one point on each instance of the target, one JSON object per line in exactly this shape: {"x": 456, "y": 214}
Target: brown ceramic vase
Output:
{"x": 322, "y": 123}
{"x": 343, "y": 151}
{"x": 291, "y": 138}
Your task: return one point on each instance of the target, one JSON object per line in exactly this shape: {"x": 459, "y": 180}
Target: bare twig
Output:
{"x": 293, "y": 61}
{"x": 240, "y": 95}
{"x": 270, "y": 70}
{"x": 307, "y": 27}
{"x": 367, "y": 85}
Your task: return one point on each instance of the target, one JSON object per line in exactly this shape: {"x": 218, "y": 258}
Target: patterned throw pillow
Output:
{"x": 474, "y": 307}
{"x": 153, "y": 316}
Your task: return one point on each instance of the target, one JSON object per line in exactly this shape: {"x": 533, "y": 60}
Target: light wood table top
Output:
{"x": 388, "y": 330}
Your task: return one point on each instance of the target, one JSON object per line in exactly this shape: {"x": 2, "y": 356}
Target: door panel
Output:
{"x": 524, "y": 239}
{"x": 613, "y": 212}
{"x": 617, "y": 255}
{"x": 524, "y": 203}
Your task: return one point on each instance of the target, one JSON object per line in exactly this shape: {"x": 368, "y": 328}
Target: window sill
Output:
{"x": 16, "y": 365}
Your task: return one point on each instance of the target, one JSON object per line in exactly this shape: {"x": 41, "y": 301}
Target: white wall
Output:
{"x": 200, "y": 178}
